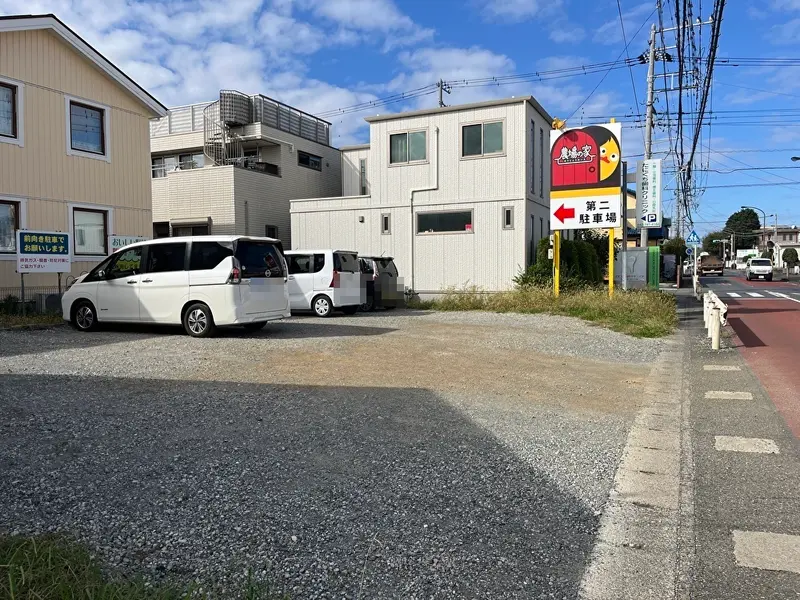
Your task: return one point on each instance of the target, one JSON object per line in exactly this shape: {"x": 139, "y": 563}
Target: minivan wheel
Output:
{"x": 197, "y": 321}
{"x": 322, "y": 306}
{"x": 83, "y": 316}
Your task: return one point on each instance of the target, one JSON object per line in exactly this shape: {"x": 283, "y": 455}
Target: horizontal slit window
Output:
{"x": 445, "y": 222}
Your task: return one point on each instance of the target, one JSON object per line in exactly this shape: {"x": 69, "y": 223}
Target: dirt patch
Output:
{"x": 449, "y": 358}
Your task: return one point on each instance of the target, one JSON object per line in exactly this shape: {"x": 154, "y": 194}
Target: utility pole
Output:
{"x": 443, "y": 87}
{"x": 648, "y": 124}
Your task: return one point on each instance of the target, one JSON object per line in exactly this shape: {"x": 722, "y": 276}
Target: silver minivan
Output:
{"x": 324, "y": 280}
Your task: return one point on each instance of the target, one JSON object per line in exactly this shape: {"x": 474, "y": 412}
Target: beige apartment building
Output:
{"x": 74, "y": 145}
{"x": 231, "y": 166}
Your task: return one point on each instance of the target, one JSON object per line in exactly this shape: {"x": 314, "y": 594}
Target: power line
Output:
{"x": 628, "y": 56}
{"x": 624, "y": 50}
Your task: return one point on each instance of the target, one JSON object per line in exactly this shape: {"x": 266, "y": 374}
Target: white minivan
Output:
{"x": 324, "y": 280}
{"x": 200, "y": 282}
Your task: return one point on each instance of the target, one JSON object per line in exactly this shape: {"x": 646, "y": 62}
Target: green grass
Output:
{"x": 7, "y": 320}
{"x": 54, "y": 568}
{"x": 639, "y": 313}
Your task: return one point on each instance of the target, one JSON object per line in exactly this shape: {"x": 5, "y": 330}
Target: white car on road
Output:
{"x": 758, "y": 268}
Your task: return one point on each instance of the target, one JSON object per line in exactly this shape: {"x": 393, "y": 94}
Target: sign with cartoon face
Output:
{"x": 586, "y": 177}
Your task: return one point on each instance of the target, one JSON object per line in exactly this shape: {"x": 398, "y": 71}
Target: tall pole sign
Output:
{"x": 585, "y": 181}
{"x": 648, "y": 194}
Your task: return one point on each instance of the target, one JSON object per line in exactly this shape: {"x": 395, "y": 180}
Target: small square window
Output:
{"x": 386, "y": 223}
{"x": 87, "y": 128}
{"x": 90, "y": 230}
{"x": 482, "y": 139}
{"x": 508, "y": 217}
{"x": 271, "y": 231}
{"x": 408, "y": 147}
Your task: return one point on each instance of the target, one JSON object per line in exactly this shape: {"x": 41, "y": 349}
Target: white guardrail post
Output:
{"x": 715, "y": 315}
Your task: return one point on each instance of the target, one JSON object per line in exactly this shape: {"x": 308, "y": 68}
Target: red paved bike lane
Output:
{"x": 768, "y": 334}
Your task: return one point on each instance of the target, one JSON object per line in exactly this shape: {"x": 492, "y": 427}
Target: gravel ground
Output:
{"x": 394, "y": 455}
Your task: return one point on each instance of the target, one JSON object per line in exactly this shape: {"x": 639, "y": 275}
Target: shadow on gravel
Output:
{"x": 340, "y": 492}
{"x": 17, "y": 343}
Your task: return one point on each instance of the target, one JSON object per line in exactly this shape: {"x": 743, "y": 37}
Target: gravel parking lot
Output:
{"x": 390, "y": 455}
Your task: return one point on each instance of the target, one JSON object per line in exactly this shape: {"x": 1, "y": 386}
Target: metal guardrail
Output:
{"x": 715, "y": 317}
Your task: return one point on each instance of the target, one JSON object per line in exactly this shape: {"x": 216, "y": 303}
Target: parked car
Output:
{"x": 324, "y": 280}
{"x": 380, "y": 282}
{"x": 200, "y": 282}
{"x": 758, "y": 268}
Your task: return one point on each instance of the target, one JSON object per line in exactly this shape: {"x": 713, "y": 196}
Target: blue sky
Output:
{"x": 321, "y": 55}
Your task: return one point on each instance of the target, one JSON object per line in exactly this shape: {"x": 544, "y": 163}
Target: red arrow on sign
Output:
{"x": 563, "y": 213}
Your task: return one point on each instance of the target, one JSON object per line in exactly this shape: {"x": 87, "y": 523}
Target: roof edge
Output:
{"x": 50, "y": 21}
{"x": 354, "y": 147}
{"x": 459, "y": 107}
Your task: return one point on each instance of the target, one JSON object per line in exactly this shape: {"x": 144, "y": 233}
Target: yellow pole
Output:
{"x": 611, "y": 261}
{"x": 556, "y": 262}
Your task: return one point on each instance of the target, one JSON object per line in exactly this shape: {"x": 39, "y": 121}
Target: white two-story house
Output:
{"x": 232, "y": 165}
{"x": 458, "y": 195}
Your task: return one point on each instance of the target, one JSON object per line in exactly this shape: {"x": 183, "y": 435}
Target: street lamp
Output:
{"x": 761, "y": 211}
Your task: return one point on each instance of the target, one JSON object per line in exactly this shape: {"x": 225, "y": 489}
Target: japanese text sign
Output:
{"x": 648, "y": 194}
{"x": 116, "y": 242}
{"x": 43, "y": 252}
{"x": 586, "y": 177}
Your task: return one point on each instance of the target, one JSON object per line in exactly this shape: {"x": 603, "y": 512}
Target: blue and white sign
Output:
{"x": 648, "y": 194}
{"x": 43, "y": 252}
{"x": 693, "y": 238}
{"x": 690, "y": 251}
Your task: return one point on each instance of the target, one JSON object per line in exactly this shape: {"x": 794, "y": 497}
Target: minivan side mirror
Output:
{"x": 101, "y": 274}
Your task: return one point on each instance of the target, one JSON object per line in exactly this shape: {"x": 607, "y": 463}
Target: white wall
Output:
{"x": 351, "y": 171}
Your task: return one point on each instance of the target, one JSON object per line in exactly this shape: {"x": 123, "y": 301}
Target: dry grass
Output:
{"x": 53, "y": 568}
{"x": 8, "y": 321}
{"x": 640, "y": 313}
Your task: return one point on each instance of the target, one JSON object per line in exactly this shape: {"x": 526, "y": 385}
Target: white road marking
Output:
{"x": 777, "y": 294}
{"x": 718, "y": 395}
{"x": 784, "y": 296}
{"x": 728, "y": 443}
{"x": 755, "y": 294}
{"x": 721, "y": 368}
{"x": 734, "y": 295}
{"x": 769, "y": 551}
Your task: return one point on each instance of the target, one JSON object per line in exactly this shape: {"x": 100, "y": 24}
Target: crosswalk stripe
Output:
{"x": 734, "y": 295}
{"x": 755, "y": 294}
{"x": 777, "y": 294}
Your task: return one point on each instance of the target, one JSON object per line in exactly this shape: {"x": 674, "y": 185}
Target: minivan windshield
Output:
{"x": 761, "y": 262}
{"x": 259, "y": 259}
{"x": 346, "y": 262}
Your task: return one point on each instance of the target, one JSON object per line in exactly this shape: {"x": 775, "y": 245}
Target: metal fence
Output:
{"x": 38, "y": 300}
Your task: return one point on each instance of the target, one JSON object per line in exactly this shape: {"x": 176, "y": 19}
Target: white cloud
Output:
{"x": 786, "y": 33}
{"x": 554, "y": 63}
{"x": 610, "y": 32}
{"x": 563, "y": 33}
{"x": 516, "y": 11}
{"x": 285, "y": 33}
{"x": 786, "y": 4}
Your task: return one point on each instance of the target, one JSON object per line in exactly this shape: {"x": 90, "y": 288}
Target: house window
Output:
{"x": 190, "y": 230}
{"x": 87, "y": 128}
{"x": 9, "y": 223}
{"x": 90, "y": 231}
{"x": 508, "y": 217}
{"x": 191, "y": 161}
{"x": 363, "y": 170}
{"x": 541, "y": 227}
{"x": 271, "y": 231}
{"x": 310, "y": 161}
{"x": 160, "y": 230}
{"x": 533, "y": 157}
{"x": 783, "y": 237}
{"x": 445, "y": 222}
{"x": 8, "y": 110}
{"x": 408, "y": 147}
{"x": 161, "y": 165}
{"x": 482, "y": 139}
{"x": 386, "y": 223}
{"x": 541, "y": 162}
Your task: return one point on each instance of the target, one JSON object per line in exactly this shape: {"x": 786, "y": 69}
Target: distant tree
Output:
{"x": 743, "y": 223}
{"x": 676, "y": 246}
{"x": 790, "y": 257}
{"x": 712, "y": 247}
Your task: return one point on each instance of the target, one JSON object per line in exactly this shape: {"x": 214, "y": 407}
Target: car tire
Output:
{"x": 253, "y": 327}
{"x": 322, "y": 306}
{"x": 198, "y": 321}
{"x": 84, "y": 316}
{"x": 769, "y": 278}
{"x": 351, "y": 310}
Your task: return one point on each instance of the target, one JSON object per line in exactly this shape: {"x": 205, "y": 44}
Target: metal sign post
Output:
{"x": 556, "y": 262}
{"x": 624, "y": 203}
{"x": 22, "y": 291}
{"x": 610, "y": 262}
